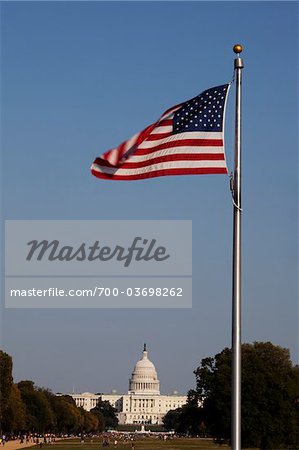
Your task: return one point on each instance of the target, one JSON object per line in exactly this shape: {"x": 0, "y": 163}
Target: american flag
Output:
{"x": 187, "y": 139}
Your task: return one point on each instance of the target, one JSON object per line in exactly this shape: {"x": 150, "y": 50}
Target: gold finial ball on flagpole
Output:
{"x": 237, "y": 48}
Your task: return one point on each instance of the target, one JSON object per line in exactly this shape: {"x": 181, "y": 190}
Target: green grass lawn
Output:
{"x": 146, "y": 443}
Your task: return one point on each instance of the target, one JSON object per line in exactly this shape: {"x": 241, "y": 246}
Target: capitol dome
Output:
{"x": 144, "y": 379}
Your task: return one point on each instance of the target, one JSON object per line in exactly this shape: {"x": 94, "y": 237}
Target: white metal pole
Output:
{"x": 236, "y": 288}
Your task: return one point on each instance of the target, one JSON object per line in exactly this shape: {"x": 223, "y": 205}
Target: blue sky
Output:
{"x": 80, "y": 77}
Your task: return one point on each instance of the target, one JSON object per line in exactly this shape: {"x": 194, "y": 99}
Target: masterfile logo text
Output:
{"x": 140, "y": 250}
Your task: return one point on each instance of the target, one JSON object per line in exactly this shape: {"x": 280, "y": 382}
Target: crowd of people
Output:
{"x": 29, "y": 439}
{"x": 107, "y": 439}
{"x": 114, "y": 438}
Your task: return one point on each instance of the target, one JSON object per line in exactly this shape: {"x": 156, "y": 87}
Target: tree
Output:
{"x": 100, "y": 419}
{"x": 187, "y": 419}
{"x": 171, "y": 419}
{"x": 270, "y": 385}
{"x": 191, "y": 416}
{"x": 14, "y": 419}
{"x": 39, "y": 414}
{"x": 68, "y": 417}
{"x": 213, "y": 385}
{"x": 108, "y": 412}
{"x": 90, "y": 422}
{"x": 6, "y": 382}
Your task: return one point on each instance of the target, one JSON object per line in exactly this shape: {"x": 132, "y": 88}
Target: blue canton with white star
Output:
{"x": 202, "y": 113}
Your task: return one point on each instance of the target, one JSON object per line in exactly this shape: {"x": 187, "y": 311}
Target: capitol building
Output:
{"x": 143, "y": 404}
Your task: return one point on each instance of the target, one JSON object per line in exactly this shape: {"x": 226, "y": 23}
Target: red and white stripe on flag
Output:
{"x": 186, "y": 140}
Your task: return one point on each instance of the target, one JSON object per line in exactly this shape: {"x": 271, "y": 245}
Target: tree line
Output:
{"x": 26, "y": 408}
{"x": 270, "y": 399}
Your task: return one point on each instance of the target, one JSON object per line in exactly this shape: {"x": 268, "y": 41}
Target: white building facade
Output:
{"x": 143, "y": 404}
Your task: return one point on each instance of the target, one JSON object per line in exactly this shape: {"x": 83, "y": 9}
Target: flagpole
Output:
{"x": 236, "y": 279}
